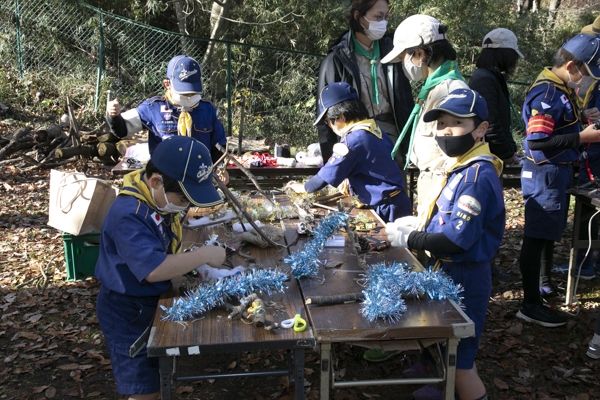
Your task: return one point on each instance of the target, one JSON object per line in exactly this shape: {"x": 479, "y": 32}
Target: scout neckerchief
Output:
{"x": 448, "y": 70}
{"x": 479, "y": 152}
{"x": 133, "y": 185}
{"x": 358, "y": 49}
{"x": 184, "y": 123}
{"x": 368, "y": 125}
{"x": 547, "y": 77}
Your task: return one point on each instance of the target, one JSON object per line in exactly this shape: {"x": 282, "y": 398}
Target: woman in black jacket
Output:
{"x": 498, "y": 59}
{"x": 355, "y": 58}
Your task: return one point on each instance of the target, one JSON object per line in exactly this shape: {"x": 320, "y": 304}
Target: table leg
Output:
{"x": 165, "y": 366}
{"x": 450, "y": 361}
{"x": 573, "y": 253}
{"x": 326, "y": 370}
{"x": 299, "y": 373}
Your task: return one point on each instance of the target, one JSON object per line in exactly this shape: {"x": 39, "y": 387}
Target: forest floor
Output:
{"x": 51, "y": 346}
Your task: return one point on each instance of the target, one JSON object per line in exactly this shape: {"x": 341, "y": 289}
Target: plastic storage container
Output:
{"x": 81, "y": 254}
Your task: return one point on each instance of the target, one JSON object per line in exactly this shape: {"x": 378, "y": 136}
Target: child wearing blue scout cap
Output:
{"x": 362, "y": 156}
{"x": 552, "y": 145}
{"x": 140, "y": 252}
{"x": 180, "y": 111}
{"x": 464, "y": 224}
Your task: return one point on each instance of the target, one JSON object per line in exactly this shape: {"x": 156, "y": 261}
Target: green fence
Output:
{"x": 91, "y": 51}
{"x": 67, "y": 39}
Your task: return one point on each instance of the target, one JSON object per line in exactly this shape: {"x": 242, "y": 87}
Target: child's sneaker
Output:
{"x": 593, "y": 351}
{"x": 538, "y": 313}
{"x": 428, "y": 393}
{"x": 586, "y": 273}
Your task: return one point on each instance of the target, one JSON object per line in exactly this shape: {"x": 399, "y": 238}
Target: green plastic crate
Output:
{"x": 81, "y": 254}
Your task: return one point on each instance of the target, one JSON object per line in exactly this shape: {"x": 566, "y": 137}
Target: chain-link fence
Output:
{"x": 266, "y": 92}
{"x": 92, "y": 48}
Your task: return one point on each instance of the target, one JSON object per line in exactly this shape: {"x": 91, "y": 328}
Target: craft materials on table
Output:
{"x": 297, "y": 322}
{"x": 206, "y": 297}
{"x": 306, "y": 262}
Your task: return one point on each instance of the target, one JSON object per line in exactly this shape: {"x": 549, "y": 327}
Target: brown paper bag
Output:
{"x": 78, "y": 204}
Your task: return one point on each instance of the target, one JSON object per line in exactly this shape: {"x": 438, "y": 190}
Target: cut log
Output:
{"x": 11, "y": 147}
{"x": 69, "y": 152}
{"x": 107, "y": 137}
{"x": 122, "y": 146}
{"x": 108, "y": 149}
{"x": 49, "y": 133}
{"x": 248, "y": 145}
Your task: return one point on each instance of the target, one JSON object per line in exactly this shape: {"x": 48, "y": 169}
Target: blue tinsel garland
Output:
{"x": 306, "y": 262}
{"x": 206, "y": 297}
{"x": 385, "y": 286}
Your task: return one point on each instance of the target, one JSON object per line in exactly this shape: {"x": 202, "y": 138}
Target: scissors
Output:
{"x": 297, "y": 322}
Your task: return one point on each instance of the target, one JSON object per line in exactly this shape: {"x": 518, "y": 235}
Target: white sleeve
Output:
{"x": 132, "y": 121}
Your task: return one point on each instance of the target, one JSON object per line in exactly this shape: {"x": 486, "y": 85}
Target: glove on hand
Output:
{"x": 410, "y": 220}
{"x": 398, "y": 231}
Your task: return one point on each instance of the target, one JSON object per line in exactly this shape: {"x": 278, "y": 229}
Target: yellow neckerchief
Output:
{"x": 549, "y": 77}
{"x": 480, "y": 151}
{"x": 133, "y": 185}
{"x": 184, "y": 123}
{"x": 585, "y": 100}
{"x": 368, "y": 125}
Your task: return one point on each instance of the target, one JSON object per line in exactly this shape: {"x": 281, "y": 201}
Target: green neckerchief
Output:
{"x": 358, "y": 49}
{"x": 133, "y": 185}
{"x": 448, "y": 70}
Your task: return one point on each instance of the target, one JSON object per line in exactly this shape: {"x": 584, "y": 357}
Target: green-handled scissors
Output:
{"x": 297, "y": 322}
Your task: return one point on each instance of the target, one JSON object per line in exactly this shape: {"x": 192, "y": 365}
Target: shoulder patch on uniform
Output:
{"x": 540, "y": 124}
{"x": 564, "y": 99}
{"x": 469, "y": 204}
{"x": 545, "y": 106}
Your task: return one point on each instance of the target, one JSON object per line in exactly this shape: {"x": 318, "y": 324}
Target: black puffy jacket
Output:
{"x": 491, "y": 85}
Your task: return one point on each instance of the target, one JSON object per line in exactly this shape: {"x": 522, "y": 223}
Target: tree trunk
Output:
{"x": 181, "y": 16}
{"x": 215, "y": 52}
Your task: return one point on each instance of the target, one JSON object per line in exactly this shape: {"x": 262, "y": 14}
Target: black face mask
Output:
{"x": 455, "y": 146}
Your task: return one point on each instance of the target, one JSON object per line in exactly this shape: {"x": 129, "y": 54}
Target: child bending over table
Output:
{"x": 362, "y": 156}
{"x": 464, "y": 225}
{"x": 140, "y": 252}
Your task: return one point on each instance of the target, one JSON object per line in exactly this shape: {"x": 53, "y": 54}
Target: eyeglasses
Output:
{"x": 378, "y": 17}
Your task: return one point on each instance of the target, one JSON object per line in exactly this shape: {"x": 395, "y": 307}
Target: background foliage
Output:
{"x": 259, "y": 57}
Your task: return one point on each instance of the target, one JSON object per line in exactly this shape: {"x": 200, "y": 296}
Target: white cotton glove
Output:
{"x": 410, "y": 220}
{"x": 399, "y": 230}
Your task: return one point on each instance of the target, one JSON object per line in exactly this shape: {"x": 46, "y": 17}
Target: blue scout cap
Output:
{"x": 587, "y": 49}
{"x": 463, "y": 103}
{"x": 188, "y": 161}
{"x": 333, "y": 94}
{"x": 184, "y": 74}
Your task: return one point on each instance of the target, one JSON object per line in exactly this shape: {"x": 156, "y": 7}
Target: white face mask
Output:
{"x": 170, "y": 207}
{"x": 183, "y": 100}
{"x": 572, "y": 84}
{"x": 413, "y": 72}
{"x": 376, "y": 29}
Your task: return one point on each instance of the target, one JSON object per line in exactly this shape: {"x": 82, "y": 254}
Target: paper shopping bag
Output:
{"x": 78, "y": 204}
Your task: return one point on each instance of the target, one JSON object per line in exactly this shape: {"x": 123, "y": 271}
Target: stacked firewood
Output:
{"x": 58, "y": 144}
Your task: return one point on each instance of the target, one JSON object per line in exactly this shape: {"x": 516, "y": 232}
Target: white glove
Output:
{"x": 410, "y": 220}
{"x": 398, "y": 234}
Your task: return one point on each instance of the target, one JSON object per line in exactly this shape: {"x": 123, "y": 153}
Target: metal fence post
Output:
{"x": 229, "y": 111}
{"x": 18, "y": 30}
{"x": 100, "y": 62}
